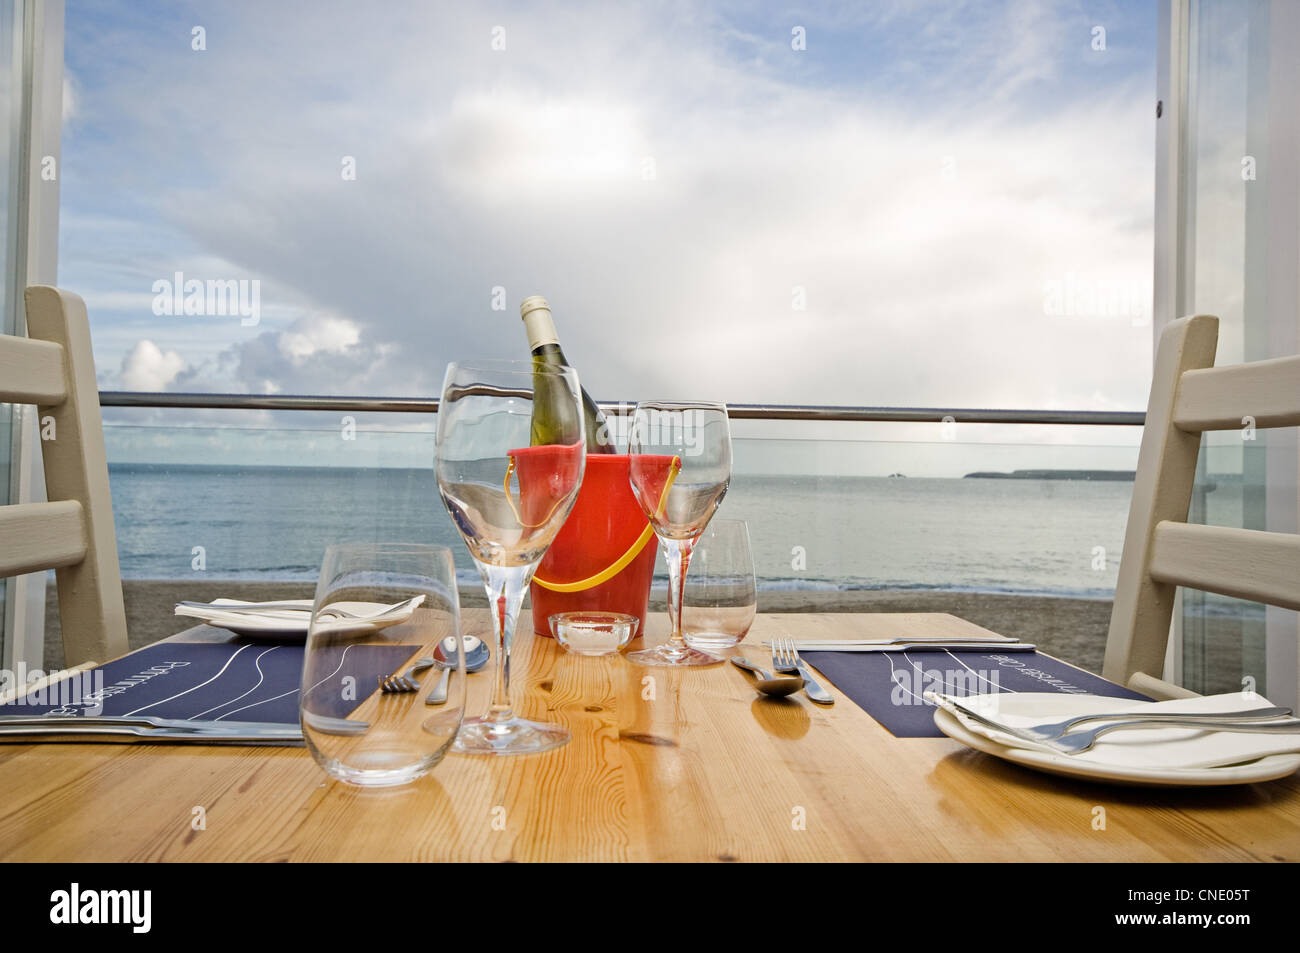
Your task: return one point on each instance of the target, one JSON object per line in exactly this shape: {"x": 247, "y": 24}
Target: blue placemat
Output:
{"x": 890, "y": 686}
{"x": 216, "y": 681}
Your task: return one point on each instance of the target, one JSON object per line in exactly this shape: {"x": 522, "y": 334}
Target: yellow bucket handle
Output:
{"x": 618, "y": 565}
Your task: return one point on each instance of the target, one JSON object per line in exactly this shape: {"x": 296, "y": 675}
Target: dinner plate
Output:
{"x": 1267, "y": 768}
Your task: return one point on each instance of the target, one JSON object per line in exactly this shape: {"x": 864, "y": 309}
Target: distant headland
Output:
{"x": 1119, "y": 476}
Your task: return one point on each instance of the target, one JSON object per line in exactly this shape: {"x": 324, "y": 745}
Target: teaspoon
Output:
{"x": 776, "y": 686}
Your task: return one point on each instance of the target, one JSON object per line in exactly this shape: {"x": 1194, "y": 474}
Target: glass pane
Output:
{"x": 10, "y": 139}
{"x": 1029, "y": 548}
{"x": 1227, "y": 201}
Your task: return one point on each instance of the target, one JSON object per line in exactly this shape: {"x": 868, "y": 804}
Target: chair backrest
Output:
{"x": 72, "y": 533}
{"x": 1161, "y": 550}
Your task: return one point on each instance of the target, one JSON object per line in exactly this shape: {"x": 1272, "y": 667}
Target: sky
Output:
{"x": 875, "y": 203}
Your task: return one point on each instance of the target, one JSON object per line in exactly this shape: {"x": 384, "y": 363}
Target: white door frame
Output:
{"x": 1173, "y": 239}
{"x": 37, "y": 211}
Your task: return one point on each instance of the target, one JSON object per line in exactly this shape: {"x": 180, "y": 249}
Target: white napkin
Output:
{"x": 1156, "y": 747}
{"x": 257, "y": 617}
{"x": 245, "y": 615}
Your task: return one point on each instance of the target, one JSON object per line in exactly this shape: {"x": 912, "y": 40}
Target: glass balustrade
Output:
{"x": 1020, "y": 536}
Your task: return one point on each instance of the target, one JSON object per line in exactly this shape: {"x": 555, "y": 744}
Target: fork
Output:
{"x": 1081, "y": 741}
{"x": 785, "y": 658}
{"x": 396, "y": 684}
{"x": 1059, "y": 729}
{"x": 1046, "y": 734}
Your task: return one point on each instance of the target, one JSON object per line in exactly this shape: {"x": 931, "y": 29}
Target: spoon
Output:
{"x": 476, "y": 656}
{"x": 776, "y": 686}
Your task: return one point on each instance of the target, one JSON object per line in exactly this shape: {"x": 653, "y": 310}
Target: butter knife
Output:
{"x": 812, "y": 687}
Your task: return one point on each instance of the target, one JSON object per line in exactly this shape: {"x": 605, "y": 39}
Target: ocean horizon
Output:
{"x": 1047, "y": 537}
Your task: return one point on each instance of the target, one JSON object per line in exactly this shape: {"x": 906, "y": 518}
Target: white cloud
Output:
{"x": 147, "y": 368}
{"x": 524, "y": 169}
{"x": 312, "y": 335}
{"x": 70, "y": 97}
{"x": 314, "y": 354}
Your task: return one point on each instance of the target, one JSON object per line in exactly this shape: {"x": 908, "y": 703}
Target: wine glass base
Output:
{"x": 516, "y": 736}
{"x": 669, "y": 654}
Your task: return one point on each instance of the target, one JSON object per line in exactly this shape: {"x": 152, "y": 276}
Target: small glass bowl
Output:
{"x": 593, "y": 633}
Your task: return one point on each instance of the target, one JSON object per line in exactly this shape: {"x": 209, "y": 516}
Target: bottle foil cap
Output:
{"x": 538, "y": 322}
{"x": 532, "y": 303}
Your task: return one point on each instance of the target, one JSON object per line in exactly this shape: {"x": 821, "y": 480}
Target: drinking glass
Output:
{"x": 509, "y": 499}
{"x": 719, "y": 600}
{"x": 680, "y": 467}
{"x": 355, "y": 731}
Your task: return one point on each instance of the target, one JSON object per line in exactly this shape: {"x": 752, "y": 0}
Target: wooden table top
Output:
{"x": 704, "y": 771}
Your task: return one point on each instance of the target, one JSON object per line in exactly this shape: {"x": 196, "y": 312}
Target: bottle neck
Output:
{"x": 540, "y": 327}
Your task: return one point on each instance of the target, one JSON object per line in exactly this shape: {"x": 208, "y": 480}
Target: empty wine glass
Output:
{"x": 357, "y": 731}
{"x": 720, "y": 600}
{"x": 680, "y": 468}
{"x": 511, "y": 454}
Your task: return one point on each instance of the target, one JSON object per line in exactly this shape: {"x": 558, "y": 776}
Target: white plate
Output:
{"x": 285, "y": 628}
{"x": 1267, "y": 768}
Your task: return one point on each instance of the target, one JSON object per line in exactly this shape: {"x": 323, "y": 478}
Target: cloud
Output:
{"x": 311, "y": 350}
{"x": 673, "y": 178}
{"x": 315, "y": 335}
{"x": 71, "y": 97}
{"x": 147, "y": 368}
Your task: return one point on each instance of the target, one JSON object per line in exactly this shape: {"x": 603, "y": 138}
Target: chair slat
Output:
{"x": 91, "y": 610}
{"x": 1247, "y": 564}
{"x": 1162, "y": 490}
{"x": 41, "y": 536}
{"x": 31, "y": 372}
{"x": 1265, "y": 393}
{"x": 1157, "y": 688}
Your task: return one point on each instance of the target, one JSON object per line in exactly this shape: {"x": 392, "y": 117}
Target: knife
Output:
{"x": 812, "y": 687}
{"x": 992, "y": 637}
{"x": 57, "y": 723}
{"x": 838, "y": 646}
{"x": 37, "y": 733}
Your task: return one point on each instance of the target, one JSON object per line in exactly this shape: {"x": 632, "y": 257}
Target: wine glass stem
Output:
{"x": 678, "y": 554}
{"x": 505, "y": 587}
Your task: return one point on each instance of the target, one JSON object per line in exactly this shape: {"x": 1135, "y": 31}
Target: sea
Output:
{"x": 1027, "y": 536}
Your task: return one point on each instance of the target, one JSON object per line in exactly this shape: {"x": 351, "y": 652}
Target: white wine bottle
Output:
{"x": 545, "y": 345}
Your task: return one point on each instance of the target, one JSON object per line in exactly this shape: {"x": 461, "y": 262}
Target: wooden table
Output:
{"x": 703, "y": 771}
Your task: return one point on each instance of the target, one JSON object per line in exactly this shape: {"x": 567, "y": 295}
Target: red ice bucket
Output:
{"x": 604, "y": 555}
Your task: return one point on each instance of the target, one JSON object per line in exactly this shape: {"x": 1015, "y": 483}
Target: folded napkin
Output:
{"x": 295, "y": 616}
{"x": 287, "y": 617}
{"x": 1164, "y": 747}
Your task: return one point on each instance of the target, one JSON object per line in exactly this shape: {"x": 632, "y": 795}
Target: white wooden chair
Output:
{"x": 1161, "y": 550}
{"x": 72, "y": 533}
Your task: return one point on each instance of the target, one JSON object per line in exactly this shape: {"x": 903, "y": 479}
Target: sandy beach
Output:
{"x": 1070, "y": 629}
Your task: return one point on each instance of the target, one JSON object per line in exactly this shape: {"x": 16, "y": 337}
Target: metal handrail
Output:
{"x": 423, "y": 405}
